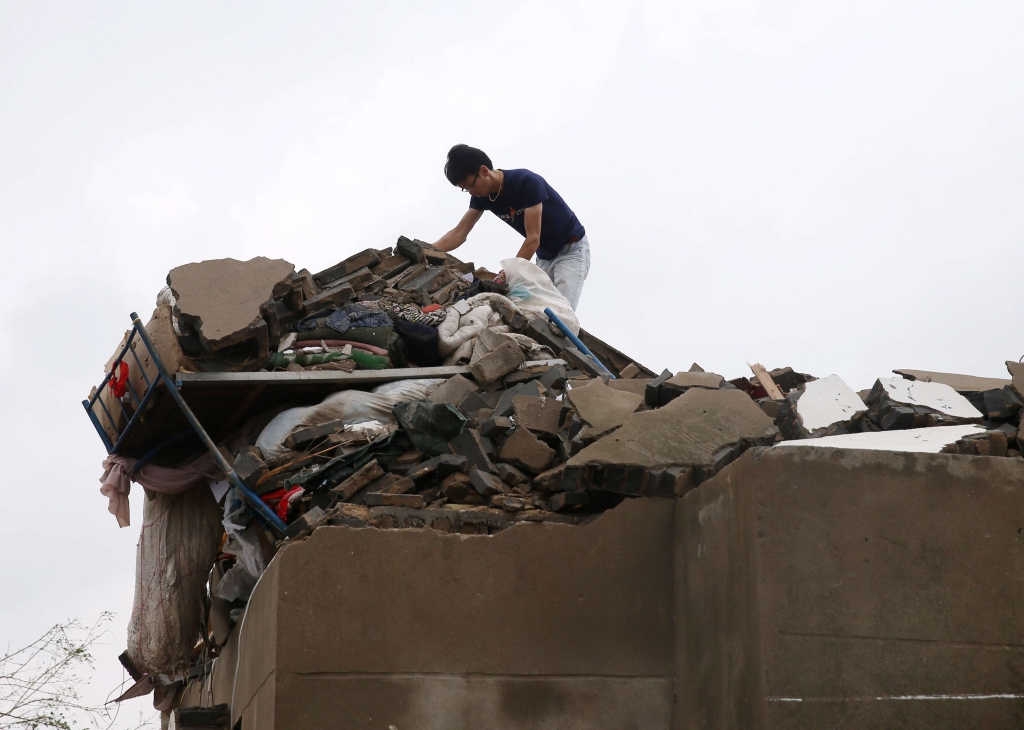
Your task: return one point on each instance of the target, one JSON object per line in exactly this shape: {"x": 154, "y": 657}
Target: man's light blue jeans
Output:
{"x": 569, "y": 269}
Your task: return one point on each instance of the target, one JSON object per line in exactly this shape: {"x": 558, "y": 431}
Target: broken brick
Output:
{"x": 387, "y": 499}
{"x": 249, "y": 466}
{"x": 391, "y": 484}
{"x": 459, "y": 489}
{"x": 508, "y": 502}
{"x": 526, "y": 451}
{"x": 304, "y": 525}
{"x": 359, "y": 480}
{"x": 538, "y": 413}
{"x": 495, "y": 427}
{"x": 581, "y": 361}
{"x": 453, "y": 390}
{"x": 504, "y": 408}
{"x": 499, "y": 361}
{"x": 566, "y": 501}
{"x": 440, "y": 466}
{"x": 486, "y": 484}
{"x": 652, "y": 395}
{"x": 352, "y": 264}
{"x": 410, "y": 249}
{"x": 475, "y": 448}
{"x": 512, "y": 476}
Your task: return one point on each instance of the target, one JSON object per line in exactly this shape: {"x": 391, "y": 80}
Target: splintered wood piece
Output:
{"x": 766, "y": 381}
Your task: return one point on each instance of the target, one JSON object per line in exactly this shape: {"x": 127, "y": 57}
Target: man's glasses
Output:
{"x": 472, "y": 185}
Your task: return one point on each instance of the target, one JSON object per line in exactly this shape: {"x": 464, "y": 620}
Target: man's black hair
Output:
{"x": 464, "y": 161}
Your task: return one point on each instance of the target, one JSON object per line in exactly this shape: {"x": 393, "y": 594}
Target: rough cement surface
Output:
{"x": 689, "y": 430}
{"x": 604, "y": 408}
{"x": 222, "y": 297}
{"x": 447, "y": 702}
{"x": 632, "y": 385}
{"x": 959, "y": 383}
{"x": 697, "y": 380}
{"x": 1016, "y": 370}
{"x": 161, "y": 330}
{"x": 852, "y": 589}
{"x": 811, "y": 588}
{"x": 256, "y": 654}
{"x": 539, "y": 626}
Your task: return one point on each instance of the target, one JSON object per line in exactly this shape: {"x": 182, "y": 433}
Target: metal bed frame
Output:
{"x": 140, "y": 401}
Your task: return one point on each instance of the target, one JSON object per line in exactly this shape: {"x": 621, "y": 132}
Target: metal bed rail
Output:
{"x": 120, "y": 374}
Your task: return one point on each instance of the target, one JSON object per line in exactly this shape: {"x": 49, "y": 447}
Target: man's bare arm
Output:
{"x": 457, "y": 236}
{"x": 531, "y": 219}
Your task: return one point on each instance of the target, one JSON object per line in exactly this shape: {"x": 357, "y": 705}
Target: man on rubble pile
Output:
{"x": 525, "y": 201}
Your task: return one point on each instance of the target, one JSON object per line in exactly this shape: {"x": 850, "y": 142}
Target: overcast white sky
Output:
{"x": 834, "y": 186}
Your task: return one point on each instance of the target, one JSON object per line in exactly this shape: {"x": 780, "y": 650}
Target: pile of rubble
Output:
{"x": 377, "y": 309}
{"x": 487, "y": 413}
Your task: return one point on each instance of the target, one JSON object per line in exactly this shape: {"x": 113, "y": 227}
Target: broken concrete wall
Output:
{"x": 823, "y": 588}
{"x": 253, "y": 666}
{"x": 799, "y": 587}
{"x": 542, "y": 626}
{"x": 669, "y": 450}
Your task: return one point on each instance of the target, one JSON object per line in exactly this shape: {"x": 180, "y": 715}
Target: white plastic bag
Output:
{"x": 533, "y": 291}
{"x": 242, "y": 541}
{"x": 236, "y": 583}
{"x": 349, "y": 406}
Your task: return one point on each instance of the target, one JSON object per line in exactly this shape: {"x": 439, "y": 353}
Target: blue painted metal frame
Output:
{"x": 257, "y": 504}
{"x": 576, "y": 341}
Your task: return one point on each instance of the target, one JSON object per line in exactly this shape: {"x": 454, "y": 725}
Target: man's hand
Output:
{"x": 531, "y": 219}
{"x": 457, "y": 236}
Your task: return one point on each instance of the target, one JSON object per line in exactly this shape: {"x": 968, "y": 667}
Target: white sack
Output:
{"x": 533, "y": 290}
{"x": 349, "y": 406}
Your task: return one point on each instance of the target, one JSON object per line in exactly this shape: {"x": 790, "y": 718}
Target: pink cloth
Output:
{"x": 119, "y": 472}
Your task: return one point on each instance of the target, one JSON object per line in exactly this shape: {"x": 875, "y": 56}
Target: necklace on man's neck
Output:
{"x": 501, "y": 184}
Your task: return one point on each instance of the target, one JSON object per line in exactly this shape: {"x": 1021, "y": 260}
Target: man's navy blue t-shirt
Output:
{"x": 523, "y": 189}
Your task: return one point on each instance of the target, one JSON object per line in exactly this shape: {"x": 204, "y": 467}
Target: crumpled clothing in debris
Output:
{"x": 410, "y": 313}
{"x": 357, "y": 315}
{"x": 345, "y": 318}
{"x": 419, "y": 342}
{"x": 482, "y": 286}
{"x": 279, "y": 499}
{"x": 119, "y": 473}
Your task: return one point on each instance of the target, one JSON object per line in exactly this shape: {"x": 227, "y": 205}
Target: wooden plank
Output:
{"x": 766, "y": 381}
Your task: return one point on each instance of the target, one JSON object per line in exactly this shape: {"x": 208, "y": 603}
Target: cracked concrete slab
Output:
{"x": 819, "y": 405}
{"x": 602, "y": 407}
{"x": 940, "y": 397}
{"x": 691, "y": 430}
{"x": 221, "y": 298}
{"x": 696, "y": 379}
